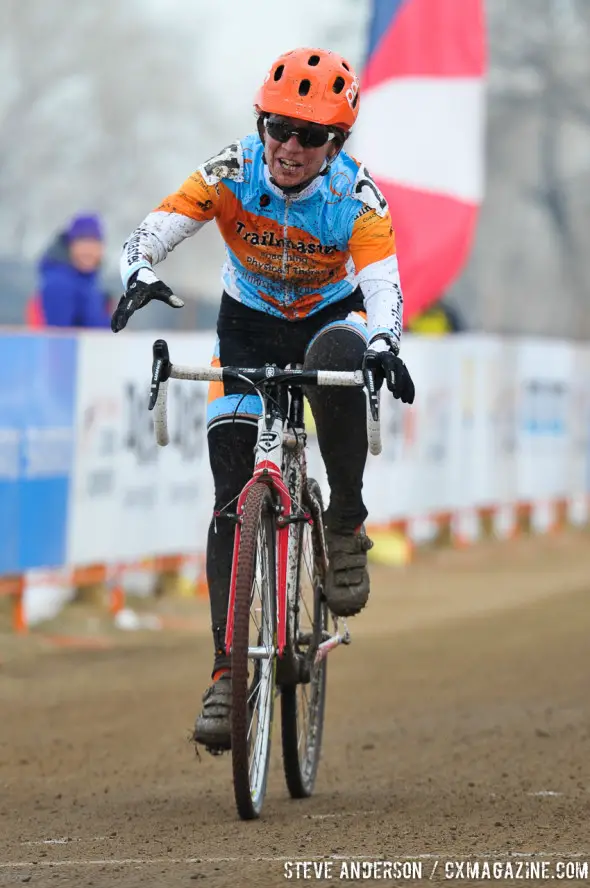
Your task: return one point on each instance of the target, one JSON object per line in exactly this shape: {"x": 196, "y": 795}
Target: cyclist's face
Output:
{"x": 289, "y": 163}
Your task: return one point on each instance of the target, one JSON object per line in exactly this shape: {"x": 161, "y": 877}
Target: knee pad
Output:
{"x": 338, "y": 346}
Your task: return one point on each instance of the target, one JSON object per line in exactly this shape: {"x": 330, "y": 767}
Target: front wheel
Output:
{"x": 303, "y": 704}
{"x": 253, "y": 652}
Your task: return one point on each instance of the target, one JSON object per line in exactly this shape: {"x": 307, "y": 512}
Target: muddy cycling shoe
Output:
{"x": 347, "y": 582}
{"x": 213, "y": 724}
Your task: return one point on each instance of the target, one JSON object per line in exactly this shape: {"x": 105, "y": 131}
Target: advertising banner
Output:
{"x": 131, "y": 498}
{"x": 37, "y": 397}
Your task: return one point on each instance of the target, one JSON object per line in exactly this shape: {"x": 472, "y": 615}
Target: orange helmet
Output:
{"x": 311, "y": 84}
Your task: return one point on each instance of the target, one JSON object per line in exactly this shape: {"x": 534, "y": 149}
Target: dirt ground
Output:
{"x": 458, "y": 729}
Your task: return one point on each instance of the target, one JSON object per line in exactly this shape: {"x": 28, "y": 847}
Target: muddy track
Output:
{"x": 458, "y": 724}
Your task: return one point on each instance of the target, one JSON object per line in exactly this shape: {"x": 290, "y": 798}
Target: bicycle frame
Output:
{"x": 268, "y": 466}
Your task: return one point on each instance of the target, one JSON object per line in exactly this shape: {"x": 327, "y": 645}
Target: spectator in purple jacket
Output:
{"x": 70, "y": 293}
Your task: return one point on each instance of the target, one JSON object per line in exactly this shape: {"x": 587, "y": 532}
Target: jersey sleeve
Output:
{"x": 195, "y": 199}
{"x": 372, "y": 248}
{"x": 178, "y": 216}
{"x": 372, "y": 238}
{"x": 199, "y": 199}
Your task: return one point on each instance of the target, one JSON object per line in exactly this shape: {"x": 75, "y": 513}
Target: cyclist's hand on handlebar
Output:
{"x": 381, "y": 357}
{"x": 143, "y": 286}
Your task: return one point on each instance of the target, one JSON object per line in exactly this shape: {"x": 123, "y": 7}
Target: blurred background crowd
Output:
{"x": 107, "y": 107}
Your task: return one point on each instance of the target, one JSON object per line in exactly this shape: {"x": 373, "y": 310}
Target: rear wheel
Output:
{"x": 253, "y": 652}
{"x": 303, "y": 704}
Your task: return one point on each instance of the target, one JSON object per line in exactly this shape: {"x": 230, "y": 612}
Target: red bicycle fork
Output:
{"x": 266, "y": 472}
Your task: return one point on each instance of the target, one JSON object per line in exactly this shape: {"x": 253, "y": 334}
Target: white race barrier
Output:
{"x": 498, "y": 426}
{"x": 130, "y": 498}
{"x": 495, "y": 422}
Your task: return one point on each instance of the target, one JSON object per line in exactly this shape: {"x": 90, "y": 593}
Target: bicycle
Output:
{"x": 279, "y": 626}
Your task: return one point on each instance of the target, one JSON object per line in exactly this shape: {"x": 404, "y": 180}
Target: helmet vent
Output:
{"x": 338, "y": 84}
{"x": 304, "y": 87}
{"x": 346, "y": 65}
{"x": 279, "y": 72}
{"x": 355, "y": 101}
{"x": 313, "y": 60}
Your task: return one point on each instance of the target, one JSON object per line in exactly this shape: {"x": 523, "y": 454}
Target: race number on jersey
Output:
{"x": 366, "y": 191}
{"x": 228, "y": 164}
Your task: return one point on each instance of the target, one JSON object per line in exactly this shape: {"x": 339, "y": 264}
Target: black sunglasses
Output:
{"x": 312, "y": 135}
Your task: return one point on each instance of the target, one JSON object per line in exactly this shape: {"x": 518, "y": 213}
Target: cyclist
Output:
{"x": 310, "y": 277}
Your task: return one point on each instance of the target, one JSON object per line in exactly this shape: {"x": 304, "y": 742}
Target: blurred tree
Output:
{"x": 530, "y": 268}
{"x": 86, "y": 114}
{"x": 109, "y": 105}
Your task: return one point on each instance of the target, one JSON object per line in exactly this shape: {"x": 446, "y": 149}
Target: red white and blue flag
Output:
{"x": 421, "y": 134}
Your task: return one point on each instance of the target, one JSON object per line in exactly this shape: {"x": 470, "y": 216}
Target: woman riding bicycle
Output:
{"x": 311, "y": 277}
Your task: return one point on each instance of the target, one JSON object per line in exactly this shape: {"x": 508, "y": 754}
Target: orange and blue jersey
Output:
{"x": 286, "y": 255}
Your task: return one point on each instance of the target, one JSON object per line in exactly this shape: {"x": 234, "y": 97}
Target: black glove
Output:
{"x": 386, "y": 365}
{"x": 139, "y": 292}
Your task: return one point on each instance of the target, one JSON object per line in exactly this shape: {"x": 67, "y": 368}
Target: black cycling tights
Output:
{"x": 250, "y": 339}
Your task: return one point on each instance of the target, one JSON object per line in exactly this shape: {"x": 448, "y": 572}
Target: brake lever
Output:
{"x": 161, "y": 368}
{"x": 372, "y": 393}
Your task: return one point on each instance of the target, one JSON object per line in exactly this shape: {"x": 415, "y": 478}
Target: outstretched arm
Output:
{"x": 179, "y": 216}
